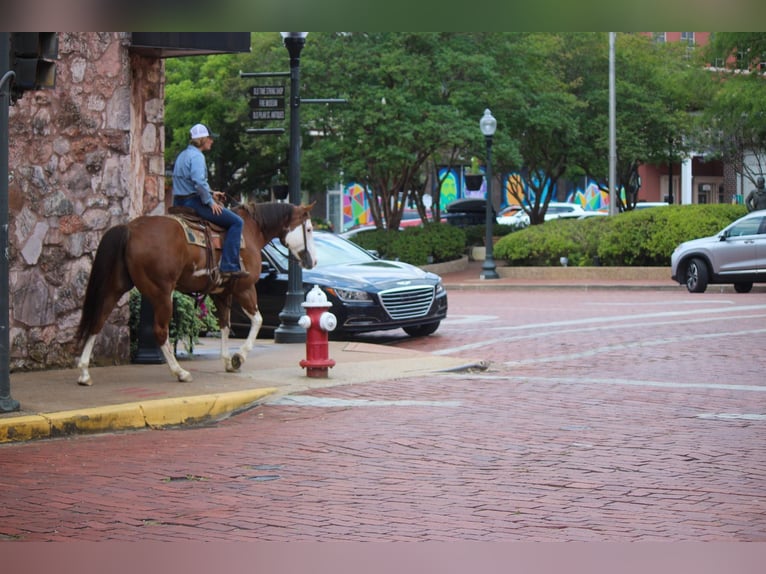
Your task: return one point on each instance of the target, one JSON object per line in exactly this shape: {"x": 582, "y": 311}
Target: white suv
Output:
{"x": 736, "y": 255}
{"x": 556, "y": 210}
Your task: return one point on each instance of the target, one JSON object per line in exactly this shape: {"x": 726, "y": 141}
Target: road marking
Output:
{"x": 329, "y": 402}
{"x": 611, "y": 381}
{"x": 636, "y": 344}
{"x": 732, "y": 416}
{"x": 540, "y": 328}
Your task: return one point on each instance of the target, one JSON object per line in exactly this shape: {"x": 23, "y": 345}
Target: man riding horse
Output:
{"x": 191, "y": 189}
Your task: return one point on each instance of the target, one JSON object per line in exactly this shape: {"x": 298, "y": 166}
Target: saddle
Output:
{"x": 205, "y": 234}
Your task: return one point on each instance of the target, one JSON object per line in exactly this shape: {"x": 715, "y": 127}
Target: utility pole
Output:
{"x": 7, "y": 404}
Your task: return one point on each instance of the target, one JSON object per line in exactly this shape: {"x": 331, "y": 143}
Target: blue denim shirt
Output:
{"x": 190, "y": 175}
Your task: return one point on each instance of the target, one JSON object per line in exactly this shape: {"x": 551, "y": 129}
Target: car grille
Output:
{"x": 407, "y": 302}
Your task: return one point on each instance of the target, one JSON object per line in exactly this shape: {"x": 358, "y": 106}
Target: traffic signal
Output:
{"x": 32, "y": 59}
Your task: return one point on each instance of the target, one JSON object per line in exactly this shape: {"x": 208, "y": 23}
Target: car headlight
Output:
{"x": 439, "y": 288}
{"x": 350, "y": 294}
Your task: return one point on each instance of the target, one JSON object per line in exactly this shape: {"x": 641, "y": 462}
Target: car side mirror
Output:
{"x": 724, "y": 236}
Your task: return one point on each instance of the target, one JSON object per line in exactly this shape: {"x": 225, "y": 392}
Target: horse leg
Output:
{"x": 223, "y": 311}
{"x": 163, "y": 309}
{"x": 84, "y": 361}
{"x": 256, "y": 320}
{"x": 183, "y": 375}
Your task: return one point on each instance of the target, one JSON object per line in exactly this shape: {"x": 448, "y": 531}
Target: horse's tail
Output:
{"x": 108, "y": 272}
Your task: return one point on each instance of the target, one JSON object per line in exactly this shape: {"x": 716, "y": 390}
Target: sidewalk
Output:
{"x": 131, "y": 396}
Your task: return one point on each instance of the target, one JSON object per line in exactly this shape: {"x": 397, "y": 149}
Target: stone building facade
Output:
{"x": 82, "y": 157}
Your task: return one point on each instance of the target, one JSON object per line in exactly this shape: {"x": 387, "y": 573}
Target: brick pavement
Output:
{"x": 582, "y": 429}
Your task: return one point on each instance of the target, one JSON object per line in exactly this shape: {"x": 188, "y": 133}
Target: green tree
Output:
{"x": 658, "y": 88}
{"x": 414, "y": 101}
{"x": 733, "y": 126}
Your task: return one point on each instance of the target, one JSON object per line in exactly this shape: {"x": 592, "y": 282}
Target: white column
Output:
{"x": 686, "y": 181}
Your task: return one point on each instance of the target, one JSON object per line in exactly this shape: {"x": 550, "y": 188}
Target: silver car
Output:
{"x": 736, "y": 255}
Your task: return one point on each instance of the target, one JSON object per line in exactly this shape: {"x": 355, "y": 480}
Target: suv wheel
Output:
{"x": 696, "y": 276}
{"x": 743, "y": 287}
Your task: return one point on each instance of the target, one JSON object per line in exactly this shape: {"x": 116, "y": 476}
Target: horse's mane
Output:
{"x": 271, "y": 217}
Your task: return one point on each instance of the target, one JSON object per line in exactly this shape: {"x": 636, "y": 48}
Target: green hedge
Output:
{"x": 431, "y": 243}
{"x": 645, "y": 237}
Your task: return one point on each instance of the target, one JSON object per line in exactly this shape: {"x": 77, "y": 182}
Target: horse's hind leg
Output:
{"x": 163, "y": 308}
{"x": 84, "y": 361}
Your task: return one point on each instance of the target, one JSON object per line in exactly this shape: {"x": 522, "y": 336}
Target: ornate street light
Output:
{"x": 488, "y": 124}
{"x": 289, "y": 331}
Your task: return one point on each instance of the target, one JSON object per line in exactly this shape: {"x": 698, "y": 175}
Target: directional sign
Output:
{"x": 266, "y": 114}
{"x": 268, "y": 103}
{"x": 268, "y": 91}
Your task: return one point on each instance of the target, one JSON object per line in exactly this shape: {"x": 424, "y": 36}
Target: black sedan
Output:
{"x": 367, "y": 293}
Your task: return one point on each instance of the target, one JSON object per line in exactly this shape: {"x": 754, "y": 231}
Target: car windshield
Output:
{"x": 331, "y": 250}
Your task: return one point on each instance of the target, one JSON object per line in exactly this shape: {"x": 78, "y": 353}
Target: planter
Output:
{"x": 473, "y": 182}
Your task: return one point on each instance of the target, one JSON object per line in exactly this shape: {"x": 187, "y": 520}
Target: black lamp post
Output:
{"x": 7, "y": 403}
{"x": 289, "y": 331}
{"x": 488, "y": 124}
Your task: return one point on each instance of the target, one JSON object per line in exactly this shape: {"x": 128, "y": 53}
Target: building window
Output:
{"x": 659, "y": 37}
{"x": 741, "y": 60}
{"x": 688, "y": 37}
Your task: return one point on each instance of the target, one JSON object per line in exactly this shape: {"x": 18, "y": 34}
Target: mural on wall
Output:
{"x": 585, "y": 193}
{"x": 355, "y": 210}
{"x": 450, "y": 187}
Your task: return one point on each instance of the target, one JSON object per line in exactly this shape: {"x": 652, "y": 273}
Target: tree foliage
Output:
{"x": 733, "y": 125}
{"x": 415, "y": 100}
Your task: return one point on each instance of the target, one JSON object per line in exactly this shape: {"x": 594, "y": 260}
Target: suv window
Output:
{"x": 747, "y": 227}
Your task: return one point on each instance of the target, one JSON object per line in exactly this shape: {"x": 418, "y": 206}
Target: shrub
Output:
{"x": 644, "y": 237}
{"x": 188, "y": 321}
{"x": 431, "y": 243}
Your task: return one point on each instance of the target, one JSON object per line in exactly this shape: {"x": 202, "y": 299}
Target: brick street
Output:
{"x": 604, "y": 415}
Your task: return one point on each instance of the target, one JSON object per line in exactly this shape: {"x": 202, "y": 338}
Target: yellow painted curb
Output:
{"x": 24, "y": 428}
{"x": 129, "y": 416}
{"x": 188, "y": 410}
{"x": 97, "y": 419}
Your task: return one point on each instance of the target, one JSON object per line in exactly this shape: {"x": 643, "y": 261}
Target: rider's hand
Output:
{"x": 217, "y": 208}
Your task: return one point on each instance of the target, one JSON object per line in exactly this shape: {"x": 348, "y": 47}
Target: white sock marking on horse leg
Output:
{"x": 167, "y": 351}
{"x": 85, "y": 361}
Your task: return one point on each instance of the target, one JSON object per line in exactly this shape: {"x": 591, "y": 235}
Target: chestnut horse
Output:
{"x": 152, "y": 253}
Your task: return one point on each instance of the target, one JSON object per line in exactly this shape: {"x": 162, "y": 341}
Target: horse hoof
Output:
{"x": 185, "y": 377}
{"x": 85, "y": 382}
{"x": 236, "y": 361}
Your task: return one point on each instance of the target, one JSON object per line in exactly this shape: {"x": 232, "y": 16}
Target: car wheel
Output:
{"x": 422, "y": 330}
{"x": 696, "y": 276}
{"x": 743, "y": 287}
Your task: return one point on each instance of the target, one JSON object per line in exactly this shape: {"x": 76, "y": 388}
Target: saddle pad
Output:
{"x": 196, "y": 235}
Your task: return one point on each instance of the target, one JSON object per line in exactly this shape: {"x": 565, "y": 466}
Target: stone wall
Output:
{"x": 82, "y": 157}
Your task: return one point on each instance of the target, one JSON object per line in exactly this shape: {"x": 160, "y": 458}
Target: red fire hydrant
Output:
{"x": 318, "y": 323}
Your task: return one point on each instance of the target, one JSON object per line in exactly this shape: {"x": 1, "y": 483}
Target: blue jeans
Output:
{"x": 227, "y": 219}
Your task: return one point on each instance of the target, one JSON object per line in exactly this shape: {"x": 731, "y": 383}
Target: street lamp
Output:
{"x": 289, "y": 331}
{"x": 488, "y": 124}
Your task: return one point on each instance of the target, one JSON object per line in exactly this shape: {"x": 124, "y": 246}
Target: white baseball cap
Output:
{"x": 200, "y": 131}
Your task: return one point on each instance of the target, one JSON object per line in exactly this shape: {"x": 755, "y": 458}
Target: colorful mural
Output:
{"x": 587, "y": 194}
{"x": 355, "y": 210}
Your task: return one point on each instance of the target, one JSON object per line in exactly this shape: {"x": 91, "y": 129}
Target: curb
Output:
{"x": 155, "y": 414}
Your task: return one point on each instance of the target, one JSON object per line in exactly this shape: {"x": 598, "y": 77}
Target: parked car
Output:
{"x": 556, "y": 210}
{"x": 367, "y": 293}
{"x": 736, "y": 255}
{"x": 648, "y": 204}
{"x": 467, "y": 211}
